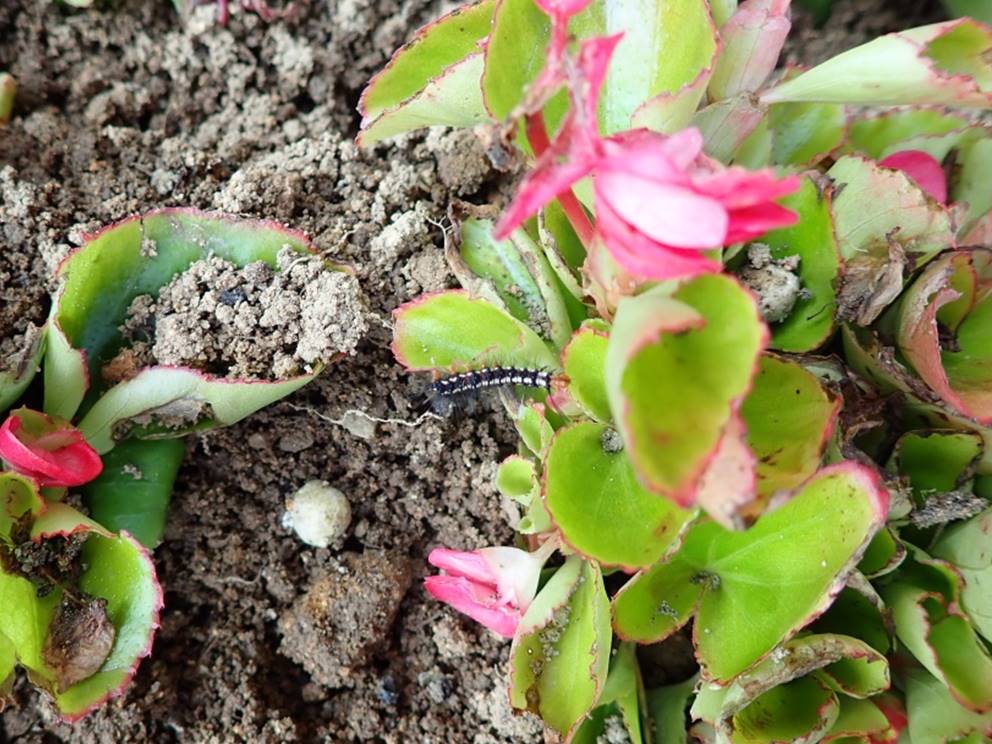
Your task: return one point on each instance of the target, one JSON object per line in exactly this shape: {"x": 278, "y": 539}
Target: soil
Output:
{"x": 263, "y": 638}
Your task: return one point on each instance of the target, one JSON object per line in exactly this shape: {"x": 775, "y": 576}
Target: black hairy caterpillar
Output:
{"x": 446, "y": 393}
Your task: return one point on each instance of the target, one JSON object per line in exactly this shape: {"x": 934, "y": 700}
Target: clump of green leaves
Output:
{"x": 806, "y": 494}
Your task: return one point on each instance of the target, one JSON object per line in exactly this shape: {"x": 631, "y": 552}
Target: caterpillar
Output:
{"x": 446, "y": 392}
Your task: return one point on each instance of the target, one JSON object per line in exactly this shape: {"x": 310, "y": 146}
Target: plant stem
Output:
{"x": 537, "y": 134}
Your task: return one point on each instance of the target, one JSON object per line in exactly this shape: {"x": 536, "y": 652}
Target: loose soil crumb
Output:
{"x": 251, "y": 322}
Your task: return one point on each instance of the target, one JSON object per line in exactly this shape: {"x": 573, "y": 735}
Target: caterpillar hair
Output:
{"x": 447, "y": 393}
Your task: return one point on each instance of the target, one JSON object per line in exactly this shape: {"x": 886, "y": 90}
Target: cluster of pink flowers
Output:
{"x": 51, "y": 452}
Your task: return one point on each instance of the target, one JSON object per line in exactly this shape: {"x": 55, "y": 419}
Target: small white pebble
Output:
{"x": 318, "y": 513}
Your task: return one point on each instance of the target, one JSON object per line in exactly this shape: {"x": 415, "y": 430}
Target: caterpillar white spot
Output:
{"x": 446, "y": 392}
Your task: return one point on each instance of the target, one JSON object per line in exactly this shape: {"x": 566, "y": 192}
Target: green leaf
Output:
{"x": 534, "y": 428}
{"x": 99, "y": 281}
{"x": 967, "y": 546}
{"x": 771, "y": 580}
{"x": 120, "y": 571}
{"x": 884, "y": 555}
{"x": 434, "y": 79}
{"x": 587, "y": 486}
{"x": 620, "y": 701}
{"x": 667, "y": 707}
{"x": 520, "y": 276}
{"x": 935, "y": 716}
{"x": 452, "y": 331}
{"x": 900, "y": 209}
{"x": 133, "y": 491}
{"x": 800, "y": 712}
{"x": 584, "y": 362}
{"x": 14, "y": 383}
{"x": 860, "y": 612}
{"x": 561, "y": 653}
{"x": 25, "y": 619}
{"x": 944, "y": 643}
{"x": 942, "y": 63}
{"x": 805, "y": 133}
{"x": 789, "y": 416}
{"x": 937, "y": 461}
{"x": 703, "y": 339}
{"x": 880, "y": 135}
{"x": 670, "y": 47}
{"x": 18, "y": 496}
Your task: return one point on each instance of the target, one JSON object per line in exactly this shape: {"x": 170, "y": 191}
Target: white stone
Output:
{"x": 318, "y": 513}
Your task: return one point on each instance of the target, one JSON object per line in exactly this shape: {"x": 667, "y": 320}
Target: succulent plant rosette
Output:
{"x": 762, "y": 296}
{"x": 85, "y": 482}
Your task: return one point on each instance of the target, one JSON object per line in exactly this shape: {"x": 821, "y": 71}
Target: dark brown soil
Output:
{"x": 264, "y": 639}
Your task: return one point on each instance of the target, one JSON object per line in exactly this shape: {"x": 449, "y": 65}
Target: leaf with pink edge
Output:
{"x": 970, "y": 186}
{"x": 534, "y": 428}
{"x": 931, "y": 627}
{"x": 20, "y": 368}
{"x": 880, "y": 135}
{"x": 561, "y": 652}
{"x": 434, "y": 79}
{"x": 19, "y": 496}
{"x": 752, "y": 39}
{"x": 121, "y": 572}
{"x": 943, "y": 63}
{"x": 790, "y": 417}
{"x": 752, "y": 590}
{"x": 967, "y": 546}
{"x": 455, "y": 332}
{"x": 98, "y": 283}
{"x": 803, "y": 134}
{"x": 813, "y": 240}
{"x": 703, "y": 339}
{"x": 589, "y": 483}
{"x": 935, "y": 716}
{"x": 584, "y": 362}
{"x": 841, "y": 665}
{"x": 937, "y": 460}
{"x": 952, "y": 291}
{"x": 619, "y": 707}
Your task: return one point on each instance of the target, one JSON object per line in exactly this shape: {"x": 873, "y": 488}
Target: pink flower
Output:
{"x": 52, "y": 452}
{"x": 924, "y": 170}
{"x": 659, "y": 200}
{"x": 493, "y": 586}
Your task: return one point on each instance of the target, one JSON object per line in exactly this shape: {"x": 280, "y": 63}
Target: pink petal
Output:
{"x": 664, "y": 212}
{"x": 643, "y": 258}
{"x": 923, "y": 168}
{"x": 750, "y": 222}
{"x": 652, "y": 155}
{"x": 72, "y": 464}
{"x": 543, "y": 184}
{"x": 462, "y": 595}
{"x": 739, "y": 187}
{"x": 463, "y": 563}
{"x": 594, "y": 58}
{"x": 563, "y": 8}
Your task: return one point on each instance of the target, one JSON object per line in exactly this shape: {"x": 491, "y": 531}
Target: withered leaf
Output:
{"x": 79, "y": 640}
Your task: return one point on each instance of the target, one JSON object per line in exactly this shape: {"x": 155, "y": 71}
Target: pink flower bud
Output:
{"x": 53, "y": 452}
{"x": 493, "y": 586}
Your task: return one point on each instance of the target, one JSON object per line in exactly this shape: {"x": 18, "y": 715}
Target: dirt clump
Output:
{"x": 251, "y": 322}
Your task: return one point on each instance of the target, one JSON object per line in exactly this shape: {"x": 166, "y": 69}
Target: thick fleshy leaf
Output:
{"x": 120, "y": 571}
{"x": 931, "y": 130}
{"x": 619, "y": 706}
{"x": 802, "y": 134}
{"x": 703, "y": 339}
{"x": 584, "y": 362}
{"x": 667, "y": 707}
{"x": 883, "y": 556}
{"x": 434, "y": 79}
{"x": 453, "y": 331}
{"x": 859, "y": 722}
{"x": 135, "y": 257}
{"x": 941, "y": 63}
{"x": 18, "y": 496}
{"x": 943, "y": 641}
{"x": 952, "y": 290}
{"x": 516, "y": 478}
{"x": 967, "y": 546}
{"x": 134, "y": 489}
{"x": 171, "y": 402}
{"x": 772, "y": 579}
{"x": 937, "y": 461}
{"x": 519, "y": 274}
{"x": 935, "y": 716}
{"x": 14, "y": 382}
{"x": 789, "y": 417}
{"x": 752, "y": 39}
{"x": 860, "y": 612}
{"x": 970, "y": 187}
{"x": 588, "y": 483}
{"x": 901, "y": 209}
{"x": 848, "y": 665}
{"x": 534, "y": 428}
{"x": 61, "y": 520}
{"x": 561, "y": 653}
{"x": 8, "y": 89}
{"x": 726, "y": 124}
{"x": 811, "y": 321}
